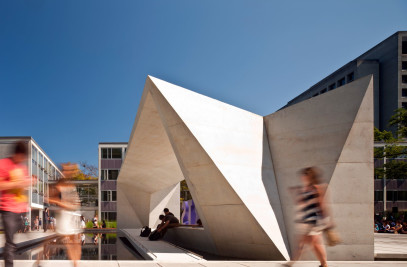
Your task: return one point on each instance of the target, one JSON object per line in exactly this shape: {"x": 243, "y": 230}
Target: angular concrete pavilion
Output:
{"x": 239, "y": 166}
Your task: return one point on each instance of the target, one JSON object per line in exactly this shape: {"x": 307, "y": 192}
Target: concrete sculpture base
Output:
{"x": 239, "y": 166}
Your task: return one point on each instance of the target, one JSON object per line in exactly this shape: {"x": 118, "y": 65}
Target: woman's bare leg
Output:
{"x": 319, "y": 249}
{"x": 305, "y": 239}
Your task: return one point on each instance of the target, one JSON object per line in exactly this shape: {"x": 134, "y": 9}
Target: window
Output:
{"x": 332, "y": 86}
{"x": 404, "y": 78}
{"x": 350, "y": 77}
{"x": 323, "y": 91}
{"x": 404, "y": 65}
{"x": 404, "y": 92}
{"x": 378, "y": 195}
{"x": 404, "y": 105}
{"x": 109, "y": 216}
{"x": 103, "y": 174}
{"x": 116, "y": 153}
{"x": 391, "y": 196}
{"x": 402, "y": 195}
{"x": 109, "y": 195}
{"x": 104, "y": 153}
{"x": 34, "y": 153}
{"x": 113, "y": 174}
{"x": 404, "y": 47}
{"x": 40, "y": 160}
{"x": 109, "y": 174}
{"x": 341, "y": 82}
{"x": 111, "y": 153}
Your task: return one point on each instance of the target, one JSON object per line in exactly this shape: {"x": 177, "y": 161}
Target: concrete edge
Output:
{"x": 144, "y": 252}
{"x": 31, "y": 242}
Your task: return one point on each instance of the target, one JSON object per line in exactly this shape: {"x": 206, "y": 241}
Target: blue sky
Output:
{"x": 72, "y": 72}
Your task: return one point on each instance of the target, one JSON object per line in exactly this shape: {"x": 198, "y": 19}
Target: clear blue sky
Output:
{"x": 72, "y": 72}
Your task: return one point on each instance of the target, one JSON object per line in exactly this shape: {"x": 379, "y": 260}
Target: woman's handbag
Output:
{"x": 332, "y": 237}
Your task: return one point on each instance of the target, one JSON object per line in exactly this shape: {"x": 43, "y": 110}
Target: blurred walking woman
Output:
{"x": 65, "y": 197}
{"x": 311, "y": 214}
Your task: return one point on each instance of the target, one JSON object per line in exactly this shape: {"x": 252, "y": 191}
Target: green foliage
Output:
{"x": 395, "y": 167}
{"x": 89, "y": 224}
{"x": 112, "y": 224}
{"x": 383, "y": 136}
{"x": 185, "y": 194}
{"x": 399, "y": 119}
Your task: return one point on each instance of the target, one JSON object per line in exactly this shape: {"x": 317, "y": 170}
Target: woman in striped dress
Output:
{"x": 311, "y": 212}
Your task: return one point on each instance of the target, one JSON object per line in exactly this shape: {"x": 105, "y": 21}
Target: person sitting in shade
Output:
{"x": 167, "y": 212}
{"x": 168, "y": 221}
{"x": 397, "y": 228}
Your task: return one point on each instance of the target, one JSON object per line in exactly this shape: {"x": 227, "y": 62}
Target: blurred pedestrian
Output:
{"x": 13, "y": 199}
{"x": 312, "y": 214}
{"x": 45, "y": 215}
{"x": 67, "y": 200}
{"x": 36, "y": 222}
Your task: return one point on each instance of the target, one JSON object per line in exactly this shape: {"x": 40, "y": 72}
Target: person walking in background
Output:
{"x": 66, "y": 198}
{"x": 39, "y": 223}
{"x": 13, "y": 199}
{"x": 36, "y": 222}
{"x": 45, "y": 215}
{"x": 311, "y": 215}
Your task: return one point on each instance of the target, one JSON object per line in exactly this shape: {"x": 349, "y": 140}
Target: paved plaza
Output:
{"x": 205, "y": 264}
{"x": 387, "y": 246}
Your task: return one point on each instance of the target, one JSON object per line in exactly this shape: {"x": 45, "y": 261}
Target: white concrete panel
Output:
{"x": 320, "y": 132}
{"x": 166, "y": 198}
{"x": 233, "y": 140}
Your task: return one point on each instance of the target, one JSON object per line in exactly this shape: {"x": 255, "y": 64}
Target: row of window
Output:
{"x": 109, "y": 195}
{"x": 342, "y": 81}
{"x": 43, "y": 164}
{"x": 111, "y": 153}
{"x": 390, "y": 195}
{"x": 109, "y": 174}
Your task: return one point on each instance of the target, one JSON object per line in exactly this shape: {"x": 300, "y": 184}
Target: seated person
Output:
{"x": 404, "y": 229}
{"x": 169, "y": 221}
{"x": 376, "y": 227}
{"x": 397, "y": 227}
{"x": 161, "y": 217}
{"x": 167, "y": 212}
{"x": 386, "y": 227}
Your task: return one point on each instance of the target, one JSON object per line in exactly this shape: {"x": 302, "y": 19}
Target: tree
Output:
{"x": 396, "y": 166}
{"x": 86, "y": 172}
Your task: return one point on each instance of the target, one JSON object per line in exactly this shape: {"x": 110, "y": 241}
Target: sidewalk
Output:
{"x": 63, "y": 263}
{"x": 159, "y": 250}
{"x": 390, "y": 246}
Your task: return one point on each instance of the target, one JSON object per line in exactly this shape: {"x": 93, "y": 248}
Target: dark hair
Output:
{"x": 161, "y": 217}
{"x": 313, "y": 173}
{"x": 166, "y": 210}
{"x": 20, "y": 148}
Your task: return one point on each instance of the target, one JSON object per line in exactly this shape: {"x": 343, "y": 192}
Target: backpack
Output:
{"x": 145, "y": 231}
{"x": 154, "y": 236}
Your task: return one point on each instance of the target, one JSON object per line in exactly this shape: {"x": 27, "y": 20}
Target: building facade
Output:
{"x": 111, "y": 156}
{"x": 39, "y": 165}
{"x": 387, "y": 62}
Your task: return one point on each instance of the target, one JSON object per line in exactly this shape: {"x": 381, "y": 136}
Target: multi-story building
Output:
{"x": 387, "y": 62}
{"x": 39, "y": 165}
{"x": 111, "y": 156}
